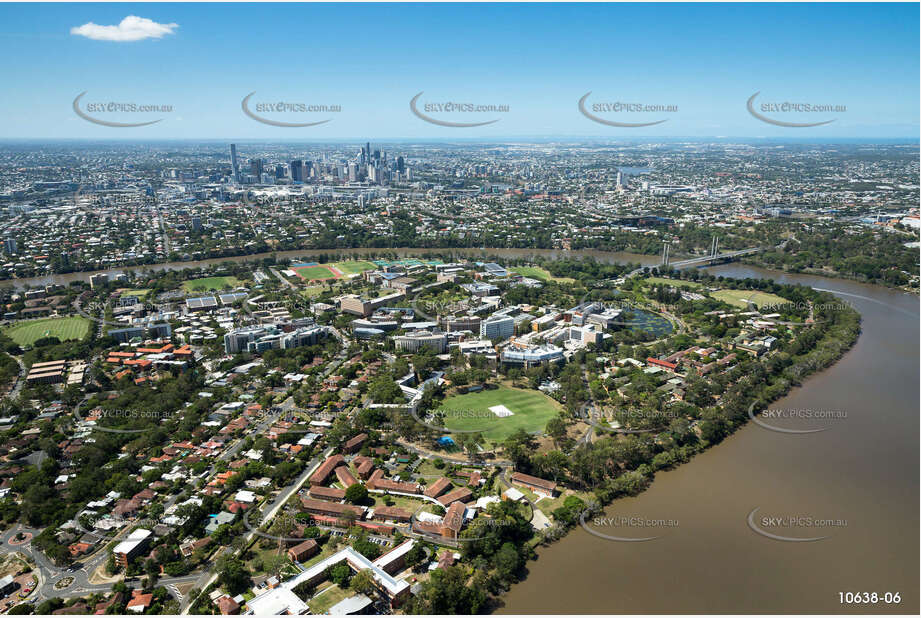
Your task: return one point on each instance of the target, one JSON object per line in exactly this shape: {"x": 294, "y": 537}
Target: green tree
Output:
{"x": 446, "y": 592}
{"x": 339, "y": 574}
{"x": 356, "y": 494}
{"x": 232, "y": 575}
{"x": 363, "y": 582}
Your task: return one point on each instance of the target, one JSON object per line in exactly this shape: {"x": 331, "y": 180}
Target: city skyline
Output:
{"x": 452, "y": 309}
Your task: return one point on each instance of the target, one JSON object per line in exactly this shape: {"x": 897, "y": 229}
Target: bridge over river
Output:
{"x": 714, "y": 257}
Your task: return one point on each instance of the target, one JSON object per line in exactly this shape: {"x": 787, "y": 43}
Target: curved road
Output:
{"x": 49, "y": 574}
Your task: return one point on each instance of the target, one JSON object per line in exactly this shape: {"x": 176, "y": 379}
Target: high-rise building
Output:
{"x": 234, "y": 163}
{"x": 279, "y": 172}
{"x": 196, "y": 224}
{"x": 497, "y": 328}
{"x": 353, "y": 172}
{"x": 256, "y": 167}
{"x": 401, "y": 164}
{"x": 9, "y": 245}
{"x": 297, "y": 170}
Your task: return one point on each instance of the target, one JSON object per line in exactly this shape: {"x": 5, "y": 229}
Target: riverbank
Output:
{"x": 862, "y": 468}
{"x": 831, "y": 274}
{"x": 742, "y": 401}
{"x": 483, "y": 254}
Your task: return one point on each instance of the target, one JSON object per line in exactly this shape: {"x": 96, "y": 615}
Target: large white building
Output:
{"x": 282, "y": 599}
{"x": 528, "y": 355}
{"x": 415, "y": 341}
{"x": 131, "y": 546}
{"x": 497, "y": 328}
{"x": 261, "y": 338}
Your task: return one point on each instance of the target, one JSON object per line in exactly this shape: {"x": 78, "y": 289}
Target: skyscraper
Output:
{"x": 234, "y": 163}
{"x": 9, "y": 245}
{"x": 256, "y": 166}
{"x": 297, "y": 171}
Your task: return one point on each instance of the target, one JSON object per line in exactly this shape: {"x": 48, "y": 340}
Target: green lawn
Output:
{"x": 542, "y": 274}
{"x": 741, "y": 298}
{"x": 428, "y": 469}
{"x": 312, "y": 291}
{"x": 62, "y": 328}
{"x": 264, "y": 554}
{"x": 402, "y": 502}
{"x": 674, "y": 282}
{"x": 530, "y": 409}
{"x": 321, "y": 603}
{"x": 326, "y": 551}
{"x": 208, "y": 284}
{"x": 352, "y": 267}
{"x": 547, "y": 505}
{"x": 314, "y": 273}
{"x": 136, "y": 292}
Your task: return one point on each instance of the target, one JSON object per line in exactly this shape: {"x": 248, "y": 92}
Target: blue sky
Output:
{"x": 538, "y": 59}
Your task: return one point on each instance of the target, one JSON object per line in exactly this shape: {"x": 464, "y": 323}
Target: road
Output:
{"x": 282, "y": 279}
{"x": 454, "y": 460}
{"x": 208, "y": 577}
{"x": 167, "y": 248}
{"x": 49, "y": 574}
{"x": 588, "y": 411}
{"x": 20, "y": 379}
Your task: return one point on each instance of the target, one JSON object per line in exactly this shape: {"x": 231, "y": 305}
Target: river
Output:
{"x": 863, "y": 470}
{"x": 471, "y": 253}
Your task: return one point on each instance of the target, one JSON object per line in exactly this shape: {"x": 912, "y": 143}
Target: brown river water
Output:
{"x": 66, "y": 279}
{"x": 861, "y": 471}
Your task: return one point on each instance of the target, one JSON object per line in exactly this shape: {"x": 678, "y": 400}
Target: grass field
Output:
{"x": 741, "y": 298}
{"x": 674, "y": 282}
{"x": 136, "y": 292}
{"x": 321, "y": 603}
{"x": 209, "y": 284}
{"x": 541, "y": 274}
{"x": 312, "y": 291}
{"x": 352, "y": 267}
{"x": 530, "y": 411}
{"x": 62, "y": 328}
{"x": 315, "y": 273}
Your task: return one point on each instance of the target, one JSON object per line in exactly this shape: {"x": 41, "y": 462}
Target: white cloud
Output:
{"x": 131, "y": 28}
